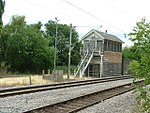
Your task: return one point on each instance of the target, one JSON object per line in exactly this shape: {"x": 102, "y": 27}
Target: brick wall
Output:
{"x": 112, "y": 57}
{"x": 112, "y": 63}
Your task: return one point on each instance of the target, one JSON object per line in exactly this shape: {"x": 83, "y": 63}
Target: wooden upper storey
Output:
{"x": 99, "y": 42}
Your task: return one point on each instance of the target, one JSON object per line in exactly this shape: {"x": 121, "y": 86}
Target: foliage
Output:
{"x": 141, "y": 38}
{"x": 24, "y": 47}
{"x": 3, "y": 68}
{"x": 27, "y": 48}
{"x": 65, "y": 69}
{"x": 2, "y": 6}
{"x": 63, "y": 42}
{"x": 130, "y": 53}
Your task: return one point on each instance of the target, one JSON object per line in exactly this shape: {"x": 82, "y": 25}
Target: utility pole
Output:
{"x": 55, "y": 45}
{"x": 69, "y": 54}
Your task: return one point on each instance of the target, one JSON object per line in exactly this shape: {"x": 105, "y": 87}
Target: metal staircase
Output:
{"x": 84, "y": 63}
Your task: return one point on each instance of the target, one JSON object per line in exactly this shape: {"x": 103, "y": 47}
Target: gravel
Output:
{"x": 25, "y": 102}
{"x": 117, "y": 104}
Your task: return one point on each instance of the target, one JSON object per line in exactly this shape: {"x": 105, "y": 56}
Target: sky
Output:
{"x": 118, "y": 17}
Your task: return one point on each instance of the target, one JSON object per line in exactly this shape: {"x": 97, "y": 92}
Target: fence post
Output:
{"x": 43, "y": 72}
{"x": 49, "y": 71}
{"x": 30, "y": 80}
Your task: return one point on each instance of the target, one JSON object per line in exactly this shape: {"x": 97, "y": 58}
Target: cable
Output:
{"x": 48, "y": 8}
{"x": 89, "y": 26}
{"x": 93, "y": 16}
{"x": 37, "y": 5}
{"x": 117, "y": 9}
{"x": 7, "y": 16}
{"x": 15, "y": 15}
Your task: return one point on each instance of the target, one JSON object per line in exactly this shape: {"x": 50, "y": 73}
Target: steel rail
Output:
{"x": 36, "y": 88}
{"x": 78, "y": 103}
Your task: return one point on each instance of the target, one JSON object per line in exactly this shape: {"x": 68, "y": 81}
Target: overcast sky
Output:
{"x": 118, "y": 17}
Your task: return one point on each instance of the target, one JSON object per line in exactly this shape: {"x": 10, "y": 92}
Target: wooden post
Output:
{"x": 107, "y": 46}
{"x": 88, "y": 70}
{"x": 101, "y": 66}
{"x": 43, "y": 72}
{"x": 49, "y": 71}
{"x": 93, "y": 70}
{"x": 30, "y": 79}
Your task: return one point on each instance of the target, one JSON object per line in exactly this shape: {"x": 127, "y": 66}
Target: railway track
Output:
{"x": 37, "y": 88}
{"x": 79, "y": 103}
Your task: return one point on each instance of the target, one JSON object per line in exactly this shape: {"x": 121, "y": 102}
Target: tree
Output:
{"x": 130, "y": 53}
{"x": 141, "y": 38}
{"x": 63, "y": 42}
{"x": 24, "y": 47}
{"x": 2, "y": 5}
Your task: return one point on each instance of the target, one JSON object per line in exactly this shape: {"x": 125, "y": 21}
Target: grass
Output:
{"x": 22, "y": 80}
{"x": 138, "y": 108}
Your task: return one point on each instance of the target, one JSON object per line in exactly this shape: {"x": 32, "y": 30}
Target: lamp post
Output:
{"x": 55, "y": 44}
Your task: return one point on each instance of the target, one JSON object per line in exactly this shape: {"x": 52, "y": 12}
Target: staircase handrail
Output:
{"x": 89, "y": 51}
{"x": 87, "y": 64}
{"x": 79, "y": 65}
